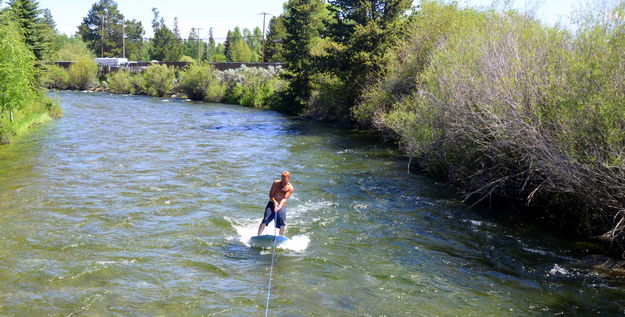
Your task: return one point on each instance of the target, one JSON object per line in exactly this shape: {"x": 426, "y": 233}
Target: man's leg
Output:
{"x": 282, "y": 230}
{"x": 269, "y": 215}
{"x": 261, "y": 228}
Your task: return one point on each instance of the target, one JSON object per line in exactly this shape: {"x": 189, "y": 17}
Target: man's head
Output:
{"x": 286, "y": 176}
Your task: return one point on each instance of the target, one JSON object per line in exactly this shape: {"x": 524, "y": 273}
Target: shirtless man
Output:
{"x": 280, "y": 192}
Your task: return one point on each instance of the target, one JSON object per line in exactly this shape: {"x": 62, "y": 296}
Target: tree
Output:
{"x": 17, "y": 78}
{"x": 304, "y": 21}
{"x": 365, "y": 30}
{"x": 194, "y": 46}
{"x": 211, "y": 50}
{"x": 27, "y": 16}
{"x": 135, "y": 46}
{"x": 166, "y": 46}
{"x": 99, "y": 31}
{"x": 274, "y": 44}
{"x": 105, "y": 18}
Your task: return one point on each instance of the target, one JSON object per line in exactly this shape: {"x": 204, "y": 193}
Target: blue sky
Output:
{"x": 224, "y": 15}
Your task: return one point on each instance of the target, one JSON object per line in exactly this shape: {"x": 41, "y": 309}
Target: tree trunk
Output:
{"x": 11, "y": 115}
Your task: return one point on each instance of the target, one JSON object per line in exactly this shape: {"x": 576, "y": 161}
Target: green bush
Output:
{"x": 158, "y": 80}
{"x": 55, "y": 77}
{"x": 120, "y": 82}
{"x": 201, "y": 82}
{"x": 252, "y": 86}
{"x": 504, "y": 106}
{"x": 83, "y": 73}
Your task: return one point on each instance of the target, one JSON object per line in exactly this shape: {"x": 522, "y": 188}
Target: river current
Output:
{"x": 141, "y": 206}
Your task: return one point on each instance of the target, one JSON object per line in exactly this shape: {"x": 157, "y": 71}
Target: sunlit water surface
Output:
{"x": 143, "y": 206}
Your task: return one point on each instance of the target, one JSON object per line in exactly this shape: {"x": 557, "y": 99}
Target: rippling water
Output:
{"x": 142, "y": 206}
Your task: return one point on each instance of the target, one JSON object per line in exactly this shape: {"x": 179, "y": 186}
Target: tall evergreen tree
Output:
{"x": 104, "y": 18}
{"x": 211, "y": 50}
{"x": 274, "y": 44}
{"x": 166, "y": 46}
{"x": 99, "y": 31}
{"x": 365, "y": 30}
{"x": 28, "y": 18}
{"x": 304, "y": 21}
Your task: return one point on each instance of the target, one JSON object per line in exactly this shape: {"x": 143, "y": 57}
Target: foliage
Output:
{"x": 200, "y": 81}
{"x": 243, "y": 46}
{"x": 83, "y": 73}
{"x": 105, "y": 18}
{"x": 66, "y": 48}
{"x": 21, "y": 102}
{"x": 252, "y": 86}
{"x": 429, "y": 27}
{"x": 274, "y": 45}
{"x": 166, "y": 45}
{"x": 121, "y": 82}
{"x": 55, "y": 77}
{"x": 503, "y": 106}
{"x": 304, "y": 21}
{"x": 36, "y": 29}
{"x": 158, "y": 80}
{"x": 17, "y": 86}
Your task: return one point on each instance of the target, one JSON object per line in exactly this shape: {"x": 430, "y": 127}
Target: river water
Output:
{"x": 143, "y": 206}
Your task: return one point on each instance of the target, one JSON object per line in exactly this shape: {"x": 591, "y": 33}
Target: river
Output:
{"x": 141, "y": 206}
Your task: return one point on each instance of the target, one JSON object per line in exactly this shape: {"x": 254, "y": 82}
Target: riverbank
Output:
{"x": 24, "y": 121}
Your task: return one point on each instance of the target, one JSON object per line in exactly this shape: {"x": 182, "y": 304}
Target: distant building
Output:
{"x": 111, "y": 61}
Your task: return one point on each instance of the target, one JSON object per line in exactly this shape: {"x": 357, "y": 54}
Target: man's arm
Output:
{"x": 272, "y": 191}
{"x": 283, "y": 200}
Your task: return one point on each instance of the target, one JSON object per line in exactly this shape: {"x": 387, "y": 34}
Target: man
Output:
{"x": 280, "y": 192}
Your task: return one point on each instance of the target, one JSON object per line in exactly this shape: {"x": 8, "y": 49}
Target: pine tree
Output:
{"x": 27, "y": 14}
{"x": 166, "y": 46}
{"x": 274, "y": 44}
{"x": 304, "y": 21}
{"x": 366, "y": 29}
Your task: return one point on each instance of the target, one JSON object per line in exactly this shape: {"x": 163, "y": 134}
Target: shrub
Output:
{"x": 158, "y": 80}
{"x": 55, "y": 77}
{"x": 17, "y": 76}
{"x": 120, "y": 82}
{"x": 252, "y": 86}
{"x": 83, "y": 73}
{"x": 201, "y": 82}
{"x": 187, "y": 59}
{"x": 507, "y": 107}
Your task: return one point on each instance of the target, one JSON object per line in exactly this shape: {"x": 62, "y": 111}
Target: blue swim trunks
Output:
{"x": 270, "y": 214}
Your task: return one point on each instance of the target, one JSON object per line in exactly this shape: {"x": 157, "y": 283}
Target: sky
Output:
{"x": 224, "y": 15}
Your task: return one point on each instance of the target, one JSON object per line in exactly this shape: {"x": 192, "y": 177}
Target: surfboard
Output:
{"x": 266, "y": 241}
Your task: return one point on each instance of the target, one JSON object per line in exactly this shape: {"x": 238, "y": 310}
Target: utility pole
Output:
{"x": 123, "y": 39}
{"x": 264, "y": 14}
{"x": 101, "y": 35}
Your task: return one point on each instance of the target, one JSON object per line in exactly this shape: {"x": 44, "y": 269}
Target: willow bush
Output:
{"x": 200, "y": 81}
{"x": 22, "y": 102}
{"x": 120, "y": 82}
{"x": 83, "y": 73}
{"x": 55, "y": 77}
{"x": 504, "y": 106}
{"x": 252, "y": 86}
{"x": 159, "y": 80}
